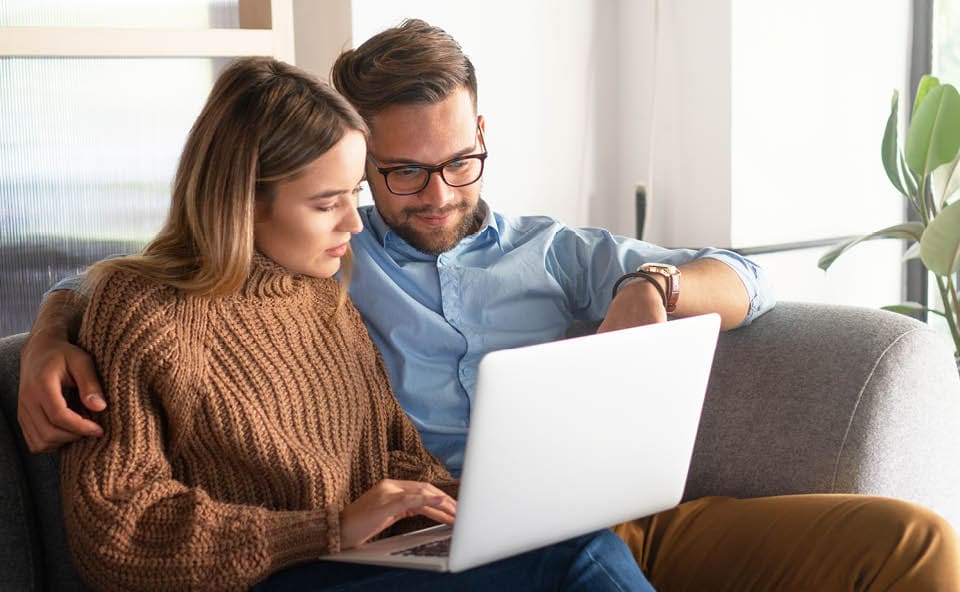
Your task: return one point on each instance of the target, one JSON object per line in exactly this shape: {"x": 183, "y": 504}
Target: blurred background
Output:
{"x": 745, "y": 124}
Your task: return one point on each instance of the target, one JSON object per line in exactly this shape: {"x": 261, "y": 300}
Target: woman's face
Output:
{"x": 308, "y": 224}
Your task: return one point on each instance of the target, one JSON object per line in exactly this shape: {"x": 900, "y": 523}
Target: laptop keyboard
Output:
{"x": 438, "y": 548}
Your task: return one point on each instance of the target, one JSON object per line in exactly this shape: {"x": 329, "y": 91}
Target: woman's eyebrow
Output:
{"x": 330, "y": 193}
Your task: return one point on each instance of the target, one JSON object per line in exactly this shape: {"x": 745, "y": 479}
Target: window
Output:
{"x": 945, "y": 65}
{"x": 96, "y": 99}
{"x": 809, "y": 104}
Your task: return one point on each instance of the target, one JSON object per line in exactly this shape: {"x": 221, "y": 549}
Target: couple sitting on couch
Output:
{"x": 247, "y": 422}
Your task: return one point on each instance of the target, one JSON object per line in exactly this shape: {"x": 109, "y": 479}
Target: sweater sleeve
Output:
{"x": 130, "y": 524}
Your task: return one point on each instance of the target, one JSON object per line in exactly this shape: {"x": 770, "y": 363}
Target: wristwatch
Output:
{"x": 672, "y": 276}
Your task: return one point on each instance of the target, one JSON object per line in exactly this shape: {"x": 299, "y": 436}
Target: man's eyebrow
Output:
{"x": 456, "y": 154}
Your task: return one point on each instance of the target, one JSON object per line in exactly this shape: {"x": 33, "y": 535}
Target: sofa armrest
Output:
{"x": 34, "y": 554}
{"x": 816, "y": 398}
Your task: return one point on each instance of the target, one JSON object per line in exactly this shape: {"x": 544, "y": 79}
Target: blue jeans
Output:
{"x": 593, "y": 562}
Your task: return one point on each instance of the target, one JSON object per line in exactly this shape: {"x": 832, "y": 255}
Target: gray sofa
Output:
{"x": 810, "y": 398}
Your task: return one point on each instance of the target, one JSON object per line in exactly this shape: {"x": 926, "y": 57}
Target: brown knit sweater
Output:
{"x": 236, "y": 431}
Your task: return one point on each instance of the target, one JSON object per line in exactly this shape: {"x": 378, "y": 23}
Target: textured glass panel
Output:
{"x": 88, "y": 149}
{"x": 180, "y": 14}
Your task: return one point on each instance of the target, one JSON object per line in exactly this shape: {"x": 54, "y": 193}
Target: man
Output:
{"x": 441, "y": 280}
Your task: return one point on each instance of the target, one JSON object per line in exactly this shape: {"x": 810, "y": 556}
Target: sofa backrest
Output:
{"x": 810, "y": 398}
{"x": 34, "y": 553}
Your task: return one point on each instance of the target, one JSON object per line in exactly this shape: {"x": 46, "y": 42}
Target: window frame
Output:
{"x": 266, "y": 28}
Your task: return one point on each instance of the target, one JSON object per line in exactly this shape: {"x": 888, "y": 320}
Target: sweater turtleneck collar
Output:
{"x": 269, "y": 279}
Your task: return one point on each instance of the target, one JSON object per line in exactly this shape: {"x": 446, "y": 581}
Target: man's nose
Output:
{"x": 437, "y": 192}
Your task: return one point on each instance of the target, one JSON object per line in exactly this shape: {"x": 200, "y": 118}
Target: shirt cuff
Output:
{"x": 755, "y": 280}
{"x": 71, "y": 283}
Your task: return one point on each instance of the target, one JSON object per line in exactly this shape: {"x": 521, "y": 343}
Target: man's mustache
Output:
{"x": 431, "y": 211}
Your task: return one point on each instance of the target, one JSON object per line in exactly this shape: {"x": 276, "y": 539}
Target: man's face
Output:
{"x": 439, "y": 216}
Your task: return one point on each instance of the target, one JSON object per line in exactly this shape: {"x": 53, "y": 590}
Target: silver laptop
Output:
{"x": 566, "y": 438}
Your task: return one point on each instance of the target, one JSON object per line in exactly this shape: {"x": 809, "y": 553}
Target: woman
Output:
{"x": 251, "y": 426}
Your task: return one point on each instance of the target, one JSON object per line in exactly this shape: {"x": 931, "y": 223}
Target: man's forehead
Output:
{"x": 424, "y": 133}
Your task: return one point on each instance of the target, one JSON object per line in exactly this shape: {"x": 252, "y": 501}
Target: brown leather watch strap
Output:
{"x": 643, "y": 275}
{"x": 672, "y": 277}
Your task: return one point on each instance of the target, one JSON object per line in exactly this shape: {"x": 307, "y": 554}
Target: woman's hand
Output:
{"x": 389, "y": 501}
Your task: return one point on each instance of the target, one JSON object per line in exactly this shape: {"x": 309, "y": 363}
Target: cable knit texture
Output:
{"x": 236, "y": 430}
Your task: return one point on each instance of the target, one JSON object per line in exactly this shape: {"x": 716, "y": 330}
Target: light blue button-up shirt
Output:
{"x": 516, "y": 282}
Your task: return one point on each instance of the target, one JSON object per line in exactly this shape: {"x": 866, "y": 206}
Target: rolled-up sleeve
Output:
{"x": 71, "y": 283}
{"x": 588, "y": 261}
{"x": 754, "y": 278}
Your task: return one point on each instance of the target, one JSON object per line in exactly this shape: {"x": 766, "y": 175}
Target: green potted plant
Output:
{"x": 926, "y": 171}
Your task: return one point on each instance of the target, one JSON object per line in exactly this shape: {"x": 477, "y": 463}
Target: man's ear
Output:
{"x": 482, "y": 123}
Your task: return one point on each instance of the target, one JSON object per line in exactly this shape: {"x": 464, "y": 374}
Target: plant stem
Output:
{"x": 952, "y": 288}
{"x": 914, "y": 202}
{"x": 922, "y": 199}
{"x": 933, "y": 204}
{"x": 948, "y": 293}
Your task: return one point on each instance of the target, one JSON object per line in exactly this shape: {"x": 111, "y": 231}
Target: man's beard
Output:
{"x": 437, "y": 240}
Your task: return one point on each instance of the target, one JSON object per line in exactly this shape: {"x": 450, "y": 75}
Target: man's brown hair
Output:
{"x": 412, "y": 64}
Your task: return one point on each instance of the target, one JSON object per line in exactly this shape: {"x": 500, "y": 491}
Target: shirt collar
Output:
{"x": 488, "y": 224}
{"x": 378, "y": 226}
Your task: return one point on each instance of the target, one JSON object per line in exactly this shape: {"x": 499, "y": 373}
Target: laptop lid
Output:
{"x": 566, "y": 438}
{"x": 578, "y": 435}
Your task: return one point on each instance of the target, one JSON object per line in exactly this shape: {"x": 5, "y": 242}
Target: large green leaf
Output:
{"x": 890, "y": 149}
{"x": 940, "y": 245}
{"x": 927, "y": 83}
{"x": 908, "y": 308}
{"x": 907, "y": 230}
{"x": 946, "y": 181}
{"x": 933, "y": 138}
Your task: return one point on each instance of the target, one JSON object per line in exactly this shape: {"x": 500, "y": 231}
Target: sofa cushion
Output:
{"x": 18, "y": 561}
{"x": 30, "y": 509}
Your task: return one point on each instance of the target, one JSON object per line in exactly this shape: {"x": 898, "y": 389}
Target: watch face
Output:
{"x": 672, "y": 276}
{"x": 663, "y": 268}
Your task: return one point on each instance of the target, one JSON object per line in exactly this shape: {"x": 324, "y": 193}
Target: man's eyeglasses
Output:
{"x": 408, "y": 179}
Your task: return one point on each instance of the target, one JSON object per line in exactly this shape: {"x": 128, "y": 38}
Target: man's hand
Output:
{"x": 389, "y": 501}
{"x": 636, "y": 303}
{"x": 48, "y": 364}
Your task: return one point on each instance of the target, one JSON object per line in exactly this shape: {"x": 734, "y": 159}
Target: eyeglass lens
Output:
{"x": 456, "y": 174}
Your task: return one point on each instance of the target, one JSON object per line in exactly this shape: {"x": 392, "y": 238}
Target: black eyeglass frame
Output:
{"x": 481, "y": 156}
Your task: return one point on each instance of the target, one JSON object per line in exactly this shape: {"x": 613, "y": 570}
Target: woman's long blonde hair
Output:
{"x": 263, "y": 122}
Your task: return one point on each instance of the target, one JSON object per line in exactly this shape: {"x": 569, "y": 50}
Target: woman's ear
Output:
{"x": 261, "y": 210}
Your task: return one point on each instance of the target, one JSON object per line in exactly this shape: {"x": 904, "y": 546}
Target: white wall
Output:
{"x": 769, "y": 119}
{"x": 690, "y": 193}
{"x": 765, "y": 127}
{"x": 765, "y": 112}
{"x": 634, "y": 29}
